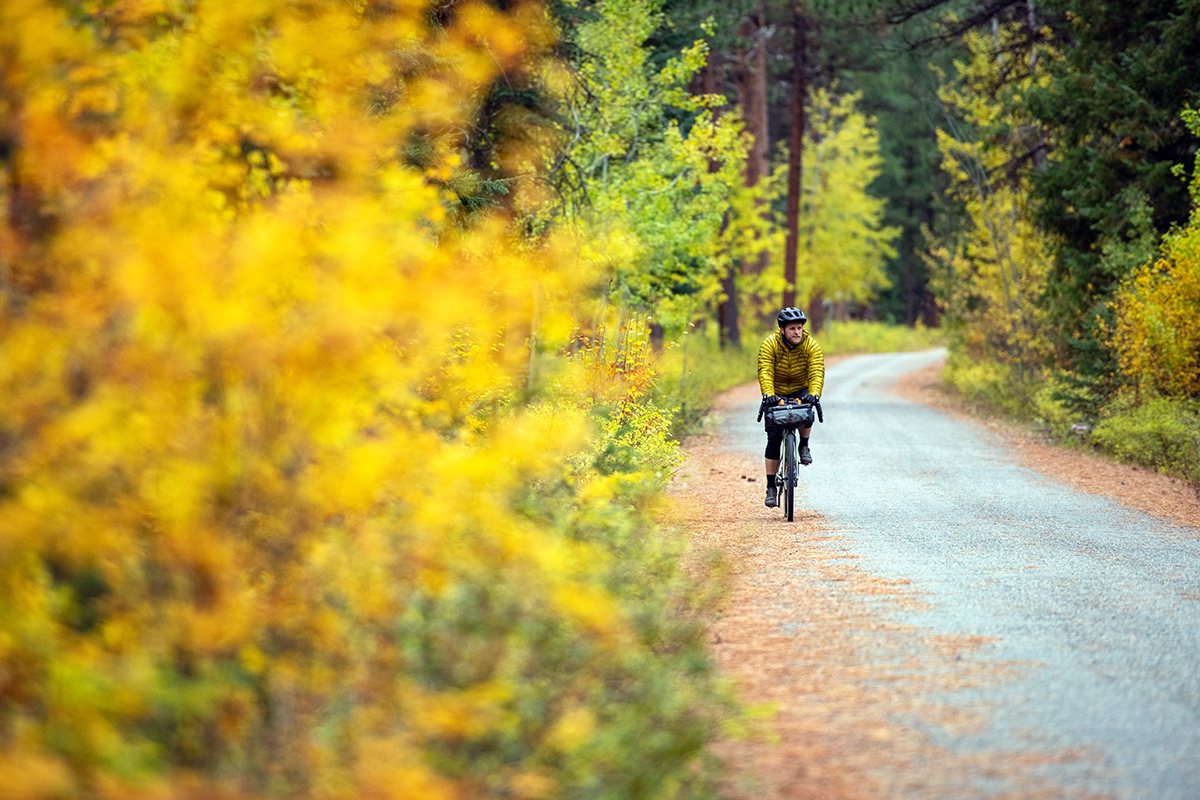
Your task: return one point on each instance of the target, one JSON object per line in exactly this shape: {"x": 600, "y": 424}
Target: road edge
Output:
{"x": 1139, "y": 488}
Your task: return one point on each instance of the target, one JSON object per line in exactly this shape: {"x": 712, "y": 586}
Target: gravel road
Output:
{"x": 1098, "y": 605}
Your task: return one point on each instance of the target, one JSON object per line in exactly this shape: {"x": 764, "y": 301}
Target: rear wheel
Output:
{"x": 789, "y": 479}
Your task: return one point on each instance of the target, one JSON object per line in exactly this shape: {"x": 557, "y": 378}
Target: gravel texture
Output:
{"x": 941, "y": 620}
{"x": 1139, "y": 488}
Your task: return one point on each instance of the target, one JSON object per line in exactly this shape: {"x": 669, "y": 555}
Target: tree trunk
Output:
{"x": 816, "y": 312}
{"x": 910, "y": 268}
{"x": 751, "y": 76}
{"x": 727, "y": 312}
{"x": 1033, "y": 34}
{"x": 728, "y": 329}
{"x": 751, "y": 81}
{"x": 795, "y": 157}
{"x": 656, "y": 337}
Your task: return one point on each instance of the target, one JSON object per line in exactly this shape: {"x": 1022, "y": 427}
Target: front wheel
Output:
{"x": 789, "y": 479}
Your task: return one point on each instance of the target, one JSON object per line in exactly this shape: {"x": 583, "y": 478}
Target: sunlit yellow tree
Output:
{"x": 273, "y": 520}
{"x": 843, "y": 242}
{"x": 991, "y": 277}
{"x": 665, "y": 209}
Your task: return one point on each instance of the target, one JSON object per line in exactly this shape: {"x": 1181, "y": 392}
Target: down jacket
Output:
{"x": 784, "y": 370}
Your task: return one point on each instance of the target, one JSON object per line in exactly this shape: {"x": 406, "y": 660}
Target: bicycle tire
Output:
{"x": 790, "y": 479}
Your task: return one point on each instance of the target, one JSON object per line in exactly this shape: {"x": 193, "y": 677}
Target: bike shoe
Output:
{"x": 772, "y": 497}
{"x": 805, "y": 456}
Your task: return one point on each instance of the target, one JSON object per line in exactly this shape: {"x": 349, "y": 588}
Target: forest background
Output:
{"x": 332, "y": 428}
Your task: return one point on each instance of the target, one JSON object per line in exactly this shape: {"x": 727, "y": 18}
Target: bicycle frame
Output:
{"x": 787, "y": 478}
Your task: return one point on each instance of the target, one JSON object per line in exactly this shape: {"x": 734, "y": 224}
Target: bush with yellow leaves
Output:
{"x": 273, "y": 520}
{"x": 1155, "y": 334}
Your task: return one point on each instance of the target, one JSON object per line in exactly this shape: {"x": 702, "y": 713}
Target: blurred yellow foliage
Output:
{"x": 273, "y": 519}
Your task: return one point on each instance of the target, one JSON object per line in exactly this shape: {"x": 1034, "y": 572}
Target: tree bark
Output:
{"x": 728, "y": 329}
{"x": 816, "y": 312}
{"x": 795, "y": 156}
{"x": 752, "y": 96}
{"x": 910, "y": 270}
{"x": 727, "y": 312}
{"x": 656, "y": 337}
{"x": 751, "y": 76}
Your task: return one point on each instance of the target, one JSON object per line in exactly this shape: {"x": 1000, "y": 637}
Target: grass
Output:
{"x": 694, "y": 369}
{"x": 844, "y": 338}
{"x": 1158, "y": 432}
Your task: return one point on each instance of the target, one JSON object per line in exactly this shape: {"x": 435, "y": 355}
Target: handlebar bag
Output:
{"x": 790, "y": 416}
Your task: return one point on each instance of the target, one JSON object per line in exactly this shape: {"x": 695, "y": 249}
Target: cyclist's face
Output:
{"x": 793, "y": 331}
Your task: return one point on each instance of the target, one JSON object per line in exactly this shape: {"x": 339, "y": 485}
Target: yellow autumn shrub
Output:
{"x": 273, "y": 518}
{"x": 1156, "y": 333}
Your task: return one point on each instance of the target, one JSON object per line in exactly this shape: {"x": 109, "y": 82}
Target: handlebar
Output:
{"x": 762, "y": 406}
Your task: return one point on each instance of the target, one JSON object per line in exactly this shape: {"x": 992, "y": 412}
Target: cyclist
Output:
{"x": 790, "y": 364}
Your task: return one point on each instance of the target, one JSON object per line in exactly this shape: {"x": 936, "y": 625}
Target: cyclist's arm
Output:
{"x": 766, "y": 368}
{"x": 816, "y": 367}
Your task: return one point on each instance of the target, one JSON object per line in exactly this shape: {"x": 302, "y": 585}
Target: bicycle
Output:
{"x": 791, "y": 415}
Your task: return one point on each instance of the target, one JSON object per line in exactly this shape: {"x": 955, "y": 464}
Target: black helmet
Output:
{"x": 790, "y": 315}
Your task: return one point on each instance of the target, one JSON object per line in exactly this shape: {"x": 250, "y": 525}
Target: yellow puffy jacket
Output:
{"x": 784, "y": 370}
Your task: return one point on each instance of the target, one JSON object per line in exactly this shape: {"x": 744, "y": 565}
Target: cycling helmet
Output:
{"x": 790, "y": 315}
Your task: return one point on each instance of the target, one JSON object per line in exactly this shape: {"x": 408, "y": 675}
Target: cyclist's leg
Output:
{"x": 774, "y": 440}
{"x": 805, "y": 453}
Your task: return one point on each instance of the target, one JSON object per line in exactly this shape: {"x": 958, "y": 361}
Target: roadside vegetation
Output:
{"x": 1070, "y": 284}
{"x": 345, "y": 347}
{"x": 851, "y": 337}
{"x": 327, "y": 468}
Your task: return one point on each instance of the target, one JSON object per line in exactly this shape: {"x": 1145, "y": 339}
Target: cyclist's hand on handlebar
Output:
{"x": 771, "y": 400}
{"x": 810, "y": 399}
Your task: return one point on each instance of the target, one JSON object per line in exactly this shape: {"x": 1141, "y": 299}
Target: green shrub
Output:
{"x": 1161, "y": 432}
{"x": 1050, "y": 410}
{"x": 635, "y": 437}
{"x": 989, "y": 384}
{"x": 694, "y": 369}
